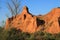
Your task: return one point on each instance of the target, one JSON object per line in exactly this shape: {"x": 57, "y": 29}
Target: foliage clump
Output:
{"x": 14, "y": 34}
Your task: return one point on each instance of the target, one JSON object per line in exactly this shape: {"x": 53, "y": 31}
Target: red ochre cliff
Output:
{"x": 27, "y": 22}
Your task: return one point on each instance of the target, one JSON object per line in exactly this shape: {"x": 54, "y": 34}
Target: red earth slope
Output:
{"x": 30, "y": 23}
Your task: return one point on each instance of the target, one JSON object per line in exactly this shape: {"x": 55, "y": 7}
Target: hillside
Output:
{"x": 27, "y": 22}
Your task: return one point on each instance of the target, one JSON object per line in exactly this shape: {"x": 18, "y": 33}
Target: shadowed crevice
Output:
{"x": 24, "y": 16}
{"x": 40, "y": 22}
{"x": 59, "y": 20}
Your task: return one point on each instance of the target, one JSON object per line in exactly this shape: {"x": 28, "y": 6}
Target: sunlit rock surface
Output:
{"x": 27, "y": 22}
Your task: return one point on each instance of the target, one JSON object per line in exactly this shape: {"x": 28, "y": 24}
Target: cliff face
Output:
{"x": 53, "y": 19}
{"x": 30, "y": 23}
{"x": 24, "y": 21}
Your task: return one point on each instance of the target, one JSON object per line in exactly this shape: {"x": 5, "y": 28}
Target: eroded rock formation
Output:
{"x": 30, "y": 23}
{"x": 53, "y": 21}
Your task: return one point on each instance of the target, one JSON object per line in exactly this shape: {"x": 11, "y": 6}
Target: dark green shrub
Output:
{"x": 13, "y": 34}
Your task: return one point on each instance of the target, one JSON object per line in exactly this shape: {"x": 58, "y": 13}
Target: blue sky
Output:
{"x": 36, "y": 7}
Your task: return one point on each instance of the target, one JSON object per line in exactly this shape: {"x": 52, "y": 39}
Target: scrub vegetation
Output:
{"x": 14, "y": 34}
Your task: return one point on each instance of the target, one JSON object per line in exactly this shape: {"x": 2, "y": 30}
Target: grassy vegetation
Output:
{"x": 14, "y": 34}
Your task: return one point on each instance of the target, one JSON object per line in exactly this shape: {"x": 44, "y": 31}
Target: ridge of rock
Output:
{"x": 26, "y": 22}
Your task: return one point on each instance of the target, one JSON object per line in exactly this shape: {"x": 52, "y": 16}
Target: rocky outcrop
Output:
{"x": 53, "y": 21}
{"x": 27, "y": 22}
{"x": 24, "y": 21}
